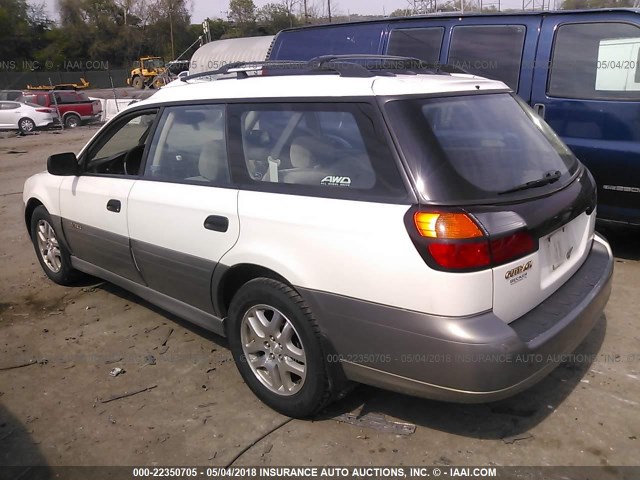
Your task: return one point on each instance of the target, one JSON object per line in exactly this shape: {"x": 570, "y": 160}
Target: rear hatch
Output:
{"x": 489, "y": 159}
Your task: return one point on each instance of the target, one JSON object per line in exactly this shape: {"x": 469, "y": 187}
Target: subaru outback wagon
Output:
{"x": 406, "y": 228}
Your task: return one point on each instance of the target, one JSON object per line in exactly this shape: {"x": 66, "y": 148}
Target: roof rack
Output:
{"x": 356, "y": 65}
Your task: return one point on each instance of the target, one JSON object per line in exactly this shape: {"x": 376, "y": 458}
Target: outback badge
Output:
{"x": 518, "y": 273}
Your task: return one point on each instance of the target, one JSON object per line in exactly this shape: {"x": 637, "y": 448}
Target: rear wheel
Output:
{"x": 277, "y": 348}
{"x": 26, "y": 125}
{"x": 72, "y": 121}
{"x": 138, "y": 82}
{"x": 52, "y": 255}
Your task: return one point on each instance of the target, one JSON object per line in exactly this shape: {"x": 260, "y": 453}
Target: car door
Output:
{"x": 9, "y": 114}
{"x": 587, "y": 87}
{"x": 6, "y": 117}
{"x": 183, "y": 213}
{"x": 93, "y": 205}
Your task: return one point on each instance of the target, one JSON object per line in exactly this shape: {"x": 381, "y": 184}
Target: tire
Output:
{"x": 72, "y": 121}
{"x": 158, "y": 83}
{"x": 268, "y": 354}
{"x": 26, "y": 125}
{"x": 57, "y": 263}
{"x": 138, "y": 82}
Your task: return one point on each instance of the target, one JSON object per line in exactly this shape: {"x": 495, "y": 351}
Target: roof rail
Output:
{"x": 357, "y": 65}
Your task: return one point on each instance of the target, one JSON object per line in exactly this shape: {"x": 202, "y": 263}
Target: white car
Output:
{"x": 25, "y": 117}
{"x": 340, "y": 222}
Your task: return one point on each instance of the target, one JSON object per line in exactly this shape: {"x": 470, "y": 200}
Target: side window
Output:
{"x": 421, "y": 43}
{"x": 319, "y": 146}
{"x": 306, "y": 44}
{"x": 189, "y": 146}
{"x": 606, "y": 66}
{"x": 492, "y": 51}
{"x": 119, "y": 150}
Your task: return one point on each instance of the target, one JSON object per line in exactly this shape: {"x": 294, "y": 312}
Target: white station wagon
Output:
{"x": 340, "y": 221}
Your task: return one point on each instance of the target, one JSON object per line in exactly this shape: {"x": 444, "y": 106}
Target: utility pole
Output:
{"x": 306, "y": 14}
{"x": 329, "y": 9}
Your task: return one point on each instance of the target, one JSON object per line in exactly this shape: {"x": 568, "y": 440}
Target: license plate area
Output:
{"x": 558, "y": 248}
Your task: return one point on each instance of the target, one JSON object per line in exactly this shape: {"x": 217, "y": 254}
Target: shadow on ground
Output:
{"x": 20, "y": 456}
{"x": 624, "y": 240}
{"x": 505, "y": 418}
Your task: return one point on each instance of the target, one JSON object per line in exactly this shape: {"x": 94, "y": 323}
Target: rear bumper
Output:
{"x": 469, "y": 359}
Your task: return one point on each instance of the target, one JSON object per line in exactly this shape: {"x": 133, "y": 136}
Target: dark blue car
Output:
{"x": 580, "y": 70}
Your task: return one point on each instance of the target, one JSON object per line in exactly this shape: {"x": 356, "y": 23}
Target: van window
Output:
{"x": 492, "y": 51}
{"x": 336, "y": 40}
{"x": 421, "y": 43}
{"x": 319, "y": 146}
{"x": 607, "y": 64}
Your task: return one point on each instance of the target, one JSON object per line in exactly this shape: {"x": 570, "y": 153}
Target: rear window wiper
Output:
{"x": 548, "y": 178}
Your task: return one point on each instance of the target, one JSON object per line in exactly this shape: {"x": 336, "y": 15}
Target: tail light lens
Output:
{"x": 455, "y": 241}
{"x": 44, "y": 110}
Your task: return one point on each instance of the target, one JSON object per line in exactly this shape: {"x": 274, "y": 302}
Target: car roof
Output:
{"x": 318, "y": 86}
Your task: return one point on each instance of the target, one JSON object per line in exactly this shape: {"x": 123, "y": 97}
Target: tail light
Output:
{"x": 44, "y": 110}
{"x": 456, "y": 241}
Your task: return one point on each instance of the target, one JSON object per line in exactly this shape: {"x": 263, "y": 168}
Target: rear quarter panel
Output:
{"x": 350, "y": 248}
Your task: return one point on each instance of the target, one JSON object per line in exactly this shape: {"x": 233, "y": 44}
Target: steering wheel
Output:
{"x": 133, "y": 159}
{"x": 339, "y": 141}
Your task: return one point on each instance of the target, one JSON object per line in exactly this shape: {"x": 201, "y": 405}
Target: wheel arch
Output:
{"x": 29, "y": 208}
{"x": 228, "y": 280}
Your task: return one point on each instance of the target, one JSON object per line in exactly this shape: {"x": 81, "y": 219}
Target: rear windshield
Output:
{"x": 474, "y": 148}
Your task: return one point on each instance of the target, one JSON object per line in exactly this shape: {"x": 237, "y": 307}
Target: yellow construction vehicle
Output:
{"x": 61, "y": 86}
{"x": 147, "y": 72}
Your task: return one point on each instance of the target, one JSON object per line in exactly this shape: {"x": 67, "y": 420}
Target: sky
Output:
{"x": 218, "y": 8}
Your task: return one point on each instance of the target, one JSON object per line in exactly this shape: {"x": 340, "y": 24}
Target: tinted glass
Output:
{"x": 607, "y": 66}
{"x": 319, "y": 146}
{"x": 189, "y": 146}
{"x": 338, "y": 40}
{"x": 492, "y": 51}
{"x": 470, "y": 148}
{"x": 422, "y": 43}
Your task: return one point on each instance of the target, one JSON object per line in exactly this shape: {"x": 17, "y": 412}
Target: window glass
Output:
{"x": 323, "y": 146}
{"x": 606, "y": 66}
{"x": 189, "y": 146}
{"x": 119, "y": 151}
{"x": 338, "y": 40}
{"x": 421, "y": 43}
{"x": 475, "y": 148}
{"x": 492, "y": 51}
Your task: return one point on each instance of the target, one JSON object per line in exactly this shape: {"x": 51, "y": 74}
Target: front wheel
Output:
{"x": 52, "y": 255}
{"x": 277, "y": 348}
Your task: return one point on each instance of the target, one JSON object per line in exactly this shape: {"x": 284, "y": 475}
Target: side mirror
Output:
{"x": 63, "y": 164}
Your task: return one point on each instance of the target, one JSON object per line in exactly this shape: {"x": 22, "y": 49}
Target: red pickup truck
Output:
{"x": 75, "y": 108}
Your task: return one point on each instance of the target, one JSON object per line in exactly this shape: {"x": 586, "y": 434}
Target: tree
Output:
{"x": 23, "y": 29}
{"x": 274, "y": 17}
{"x": 242, "y": 13}
{"x": 401, "y": 12}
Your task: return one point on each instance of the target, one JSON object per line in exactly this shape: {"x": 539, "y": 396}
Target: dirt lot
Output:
{"x": 197, "y": 410}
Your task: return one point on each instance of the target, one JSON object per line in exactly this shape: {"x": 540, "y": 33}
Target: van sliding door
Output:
{"x": 587, "y": 87}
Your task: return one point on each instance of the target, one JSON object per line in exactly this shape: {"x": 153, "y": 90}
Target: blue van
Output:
{"x": 579, "y": 70}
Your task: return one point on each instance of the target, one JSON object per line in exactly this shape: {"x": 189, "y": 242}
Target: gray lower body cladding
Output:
{"x": 470, "y": 359}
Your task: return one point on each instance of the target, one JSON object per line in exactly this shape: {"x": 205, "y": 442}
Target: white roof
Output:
{"x": 218, "y": 53}
{"x": 296, "y": 86}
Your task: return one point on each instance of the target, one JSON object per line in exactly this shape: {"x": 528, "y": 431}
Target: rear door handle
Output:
{"x": 539, "y": 108}
{"x": 114, "y": 205}
{"x": 216, "y": 223}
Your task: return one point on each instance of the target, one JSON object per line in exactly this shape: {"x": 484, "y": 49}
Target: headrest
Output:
{"x": 307, "y": 152}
